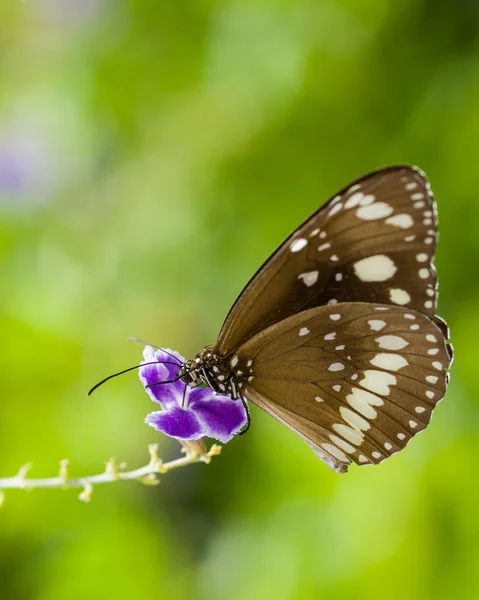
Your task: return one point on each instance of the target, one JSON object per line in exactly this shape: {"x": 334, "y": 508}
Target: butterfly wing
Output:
{"x": 357, "y": 381}
{"x": 373, "y": 242}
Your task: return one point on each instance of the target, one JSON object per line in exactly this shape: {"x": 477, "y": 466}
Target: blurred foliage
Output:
{"x": 152, "y": 154}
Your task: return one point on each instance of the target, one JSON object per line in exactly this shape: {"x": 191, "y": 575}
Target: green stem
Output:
{"x": 147, "y": 474}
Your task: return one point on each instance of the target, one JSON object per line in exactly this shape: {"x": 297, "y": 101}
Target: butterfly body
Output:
{"x": 211, "y": 369}
{"x": 336, "y": 334}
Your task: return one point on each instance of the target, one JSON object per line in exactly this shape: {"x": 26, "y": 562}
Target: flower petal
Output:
{"x": 167, "y": 356}
{"x": 168, "y": 395}
{"x": 221, "y": 417}
{"x": 177, "y": 423}
{"x": 197, "y": 394}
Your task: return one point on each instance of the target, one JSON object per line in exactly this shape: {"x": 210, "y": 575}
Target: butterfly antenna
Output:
{"x": 155, "y": 362}
{"x": 134, "y": 339}
{"x": 171, "y": 380}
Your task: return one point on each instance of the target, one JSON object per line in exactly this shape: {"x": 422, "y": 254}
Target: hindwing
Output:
{"x": 357, "y": 381}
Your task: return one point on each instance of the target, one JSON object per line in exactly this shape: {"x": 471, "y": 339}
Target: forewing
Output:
{"x": 357, "y": 381}
{"x": 373, "y": 242}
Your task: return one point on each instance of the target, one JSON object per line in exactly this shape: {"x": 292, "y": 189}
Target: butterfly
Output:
{"x": 336, "y": 334}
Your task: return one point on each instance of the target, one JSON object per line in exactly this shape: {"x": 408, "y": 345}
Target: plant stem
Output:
{"x": 146, "y": 474}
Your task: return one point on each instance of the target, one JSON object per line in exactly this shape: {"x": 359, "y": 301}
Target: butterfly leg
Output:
{"x": 235, "y": 393}
{"x": 246, "y": 407}
{"x": 206, "y": 378}
{"x": 184, "y": 396}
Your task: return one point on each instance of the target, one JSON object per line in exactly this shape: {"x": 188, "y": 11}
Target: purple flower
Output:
{"x": 188, "y": 413}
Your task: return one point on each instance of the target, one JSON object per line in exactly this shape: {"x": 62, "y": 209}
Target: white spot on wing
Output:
{"x": 335, "y": 317}
{"x": 363, "y": 402}
{"x": 376, "y": 324}
{"x": 380, "y": 210}
{"x": 354, "y": 188}
{"x": 304, "y": 331}
{"x": 375, "y": 268}
{"x": 353, "y": 419}
{"x": 353, "y": 200}
{"x": 336, "y": 208}
{"x": 390, "y": 362}
{"x": 336, "y": 452}
{"x": 404, "y": 221}
{"x": 309, "y": 278}
{"x": 378, "y": 381}
{"x": 298, "y": 244}
{"x": 336, "y": 367}
{"x": 368, "y": 199}
{"x": 352, "y": 434}
{"x": 399, "y": 296}
{"x": 342, "y": 444}
{"x": 391, "y": 342}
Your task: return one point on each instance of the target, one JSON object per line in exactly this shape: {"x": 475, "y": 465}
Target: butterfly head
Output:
{"x": 189, "y": 372}
{"x": 208, "y": 368}
{"x": 192, "y": 371}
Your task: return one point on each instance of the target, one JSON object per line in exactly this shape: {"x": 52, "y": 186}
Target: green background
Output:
{"x": 161, "y": 149}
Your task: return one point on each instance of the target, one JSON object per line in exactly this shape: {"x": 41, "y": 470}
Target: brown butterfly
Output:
{"x": 336, "y": 334}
